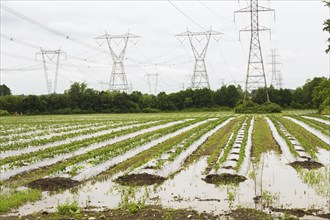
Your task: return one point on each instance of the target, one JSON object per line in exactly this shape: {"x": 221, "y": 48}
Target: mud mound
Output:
{"x": 140, "y": 179}
{"x": 52, "y": 184}
{"x": 309, "y": 164}
{"x": 224, "y": 178}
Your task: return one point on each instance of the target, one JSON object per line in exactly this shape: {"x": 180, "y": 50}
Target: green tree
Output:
{"x": 326, "y": 25}
{"x": 11, "y": 103}
{"x": 76, "y": 94}
{"x": 4, "y": 90}
{"x": 321, "y": 94}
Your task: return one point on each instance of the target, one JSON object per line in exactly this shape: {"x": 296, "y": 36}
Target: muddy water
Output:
{"x": 314, "y": 131}
{"x": 324, "y": 157}
{"x": 188, "y": 190}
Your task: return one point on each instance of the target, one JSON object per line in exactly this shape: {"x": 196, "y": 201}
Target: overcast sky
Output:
{"x": 296, "y": 33}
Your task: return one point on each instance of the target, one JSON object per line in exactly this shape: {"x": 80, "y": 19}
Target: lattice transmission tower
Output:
{"x": 118, "y": 80}
{"x": 255, "y": 76}
{"x": 199, "y": 78}
{"x": 49, "y": 56}
{"x": 151, "y": 76}
{"x": 276, "y": 73}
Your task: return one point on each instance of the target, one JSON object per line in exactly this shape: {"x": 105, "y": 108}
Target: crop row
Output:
{"x": 109, "y": 155}
{"x": 56, "y": 138}
{"x": 51, "y": 156}
{"x": 49, "y": 132}
{"x": 226, "y": 151}
{"x": 169, "y": 159}
{"x": 325, "y": 129}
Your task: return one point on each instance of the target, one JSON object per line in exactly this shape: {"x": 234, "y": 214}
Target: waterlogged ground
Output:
{"x": 267, "y": 184}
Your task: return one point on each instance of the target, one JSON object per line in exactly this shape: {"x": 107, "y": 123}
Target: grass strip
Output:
{"x": 262, "y": 139}
{"x": 13, "y": 199}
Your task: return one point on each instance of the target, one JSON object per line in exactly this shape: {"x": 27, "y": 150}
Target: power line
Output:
{"x": 182, "y": 12}
{"x": 47, "y": 28}
{"x": 15, "y": 55}
{"x": 213, "y": 12}
{"x": 36, "y": 47}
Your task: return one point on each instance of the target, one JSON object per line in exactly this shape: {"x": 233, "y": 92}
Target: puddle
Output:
{"x": 188, "y": 190}
{"x": 314, "y": 131}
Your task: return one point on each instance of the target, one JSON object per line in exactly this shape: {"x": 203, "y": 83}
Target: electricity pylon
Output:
{"x": 118, "y": 80}
{"x": 276, "y": 74}
{"x": 155, "y": 75}
{"x": 255, "y": 76}
{"x": 49, "y": 55}
{"x": 199, "y": 78}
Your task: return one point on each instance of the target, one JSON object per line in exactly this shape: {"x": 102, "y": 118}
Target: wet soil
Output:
{"x": 140, "y": 179}
{"x": 309, "y": 164}
{"x": 146, "y": 213}
{"x": 52, "y": 184}
{"x": 224, "y": 178}
{"x": 301, "y": 213}
{"x": 245, "y": 213}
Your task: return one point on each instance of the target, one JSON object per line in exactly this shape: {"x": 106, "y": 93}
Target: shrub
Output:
{"x": 68, "y": 208}
{"x": 250, "y": 107}
{"x": 4, "y": 112}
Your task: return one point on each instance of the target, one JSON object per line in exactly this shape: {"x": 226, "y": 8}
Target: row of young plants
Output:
{"x": 243, "y": 145}
{"x": 309, "y": 141}
{"x": 51, "y": 152}
{"x": 39, "y": 133}
{"x": 185, "y": 143}
{"x": 323, "y": 117}
{"x": 22, "y": 128}
{"x": 230, "y": 144}
{"x": 262, "y": 139}
{"x": 165, "y": 146}
{"x": 219, "y": 141}
{"x": 108, "y": 152}
{"x": 325, "y": 129}
{"x": 278, "y": 125}
{"x": 60, "y": 137}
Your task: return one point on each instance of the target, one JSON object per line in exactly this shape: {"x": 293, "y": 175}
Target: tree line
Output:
{"x": 79, "y": 98}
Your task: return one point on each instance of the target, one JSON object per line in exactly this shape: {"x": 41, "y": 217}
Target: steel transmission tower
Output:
{"x": 199, "y": 78}
{"x": 50, "y": 55}
{"x": 255, "y": 76}
{"x": 149, "y": 76}
{"x": 276, "y": 74}
{"x": 118, "y": 80}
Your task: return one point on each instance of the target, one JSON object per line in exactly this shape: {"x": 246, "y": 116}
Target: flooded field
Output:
{"x": 219, "y": 165}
